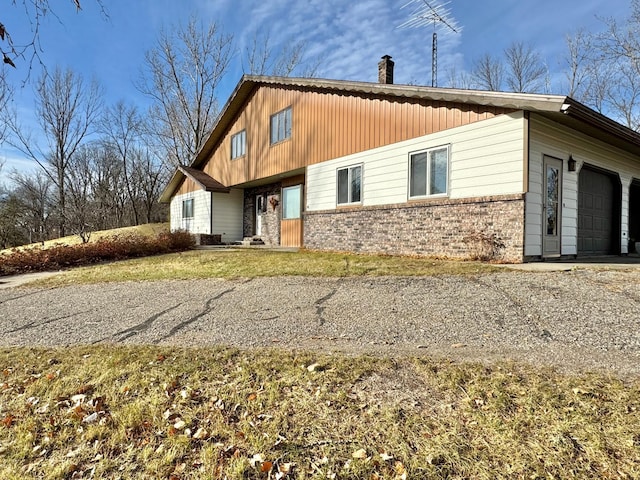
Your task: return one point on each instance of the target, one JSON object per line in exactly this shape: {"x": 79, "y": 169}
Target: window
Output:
{"x": 239, "y": 144}
{"x": 349, "y": 185}
{"x": 291, "y": 201}
{"x": 281, "y": 126}
{"x": 187, "y": 208}
{"x": 428, "y": 172}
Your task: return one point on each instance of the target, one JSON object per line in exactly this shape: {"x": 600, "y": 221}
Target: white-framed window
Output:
{"x": 187, "y": 208}
{"x": 239, "y": 144}
{"x": 429, "y": 172}
{"x": 281, "y": 125}
{"x": 349, "y": 185}
{"x": 292, "y": 202}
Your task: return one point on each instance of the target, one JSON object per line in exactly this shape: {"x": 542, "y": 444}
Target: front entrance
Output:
{"x": 551, "y": 222}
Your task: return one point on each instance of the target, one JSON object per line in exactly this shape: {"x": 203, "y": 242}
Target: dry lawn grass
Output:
{"x": 248, "y": 263}
{"x": 149, "y": 229}
{"x": 142, "y": 412}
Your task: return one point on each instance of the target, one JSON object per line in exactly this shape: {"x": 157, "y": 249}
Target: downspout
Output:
{"x": 525, "y": 177}
{"x": 211, "y": 215}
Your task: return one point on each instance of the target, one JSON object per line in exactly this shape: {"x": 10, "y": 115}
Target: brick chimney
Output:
{"x": 385, "y": 70}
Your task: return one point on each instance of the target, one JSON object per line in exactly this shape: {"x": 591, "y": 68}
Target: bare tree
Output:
{"x": 67, "y": 109}
{"x": 182, "y": 75}
{"x": 122, "y": 127}
{"x": 36, "y": 210}
{"x": 525, "y": 70}
{"x": 459, "y": 79}
{"x": 30, "y": 12}
{"x": 262, "y": 59}
{"x": 149, "y": 177}
{"x": 488, "y": 73}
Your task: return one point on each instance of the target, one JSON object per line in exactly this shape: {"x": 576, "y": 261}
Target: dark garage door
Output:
{"x": 595, "y": 213}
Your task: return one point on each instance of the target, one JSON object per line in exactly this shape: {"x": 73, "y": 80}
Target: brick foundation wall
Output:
{"x": 270, "y": 219}
{"x": 431, "y": 228}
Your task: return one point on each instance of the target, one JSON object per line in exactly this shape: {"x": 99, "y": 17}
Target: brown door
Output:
{"x": 595, "y": 213}
{"x": 291, "y": 224}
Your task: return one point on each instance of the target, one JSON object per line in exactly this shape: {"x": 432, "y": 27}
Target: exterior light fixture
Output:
{"x": 572, "y": 164}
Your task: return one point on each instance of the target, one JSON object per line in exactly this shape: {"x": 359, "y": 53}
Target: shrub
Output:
{"x": 484, "y": 246}
{"x": 107, "y": 249}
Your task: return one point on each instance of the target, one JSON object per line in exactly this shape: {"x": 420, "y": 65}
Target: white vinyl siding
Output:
{"x": 550, "y": 138}
{"x": 200, "y": 222}
{"x": 228, "y": 214}
{"x": 486, "y": 158}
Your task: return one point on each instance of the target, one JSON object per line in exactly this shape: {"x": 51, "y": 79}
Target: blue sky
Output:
{"x": 348, "y": 36}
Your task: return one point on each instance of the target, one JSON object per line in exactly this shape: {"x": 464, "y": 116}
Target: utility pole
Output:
{"x": 426, "y": 12}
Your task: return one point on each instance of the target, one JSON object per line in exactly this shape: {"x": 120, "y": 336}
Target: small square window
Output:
{"x": 281, "y": 126}
{"x": 187, "y": 208}
{"x": 350, "y": 185}
{"x": 239, "y": 144}
{"x": 428, "y": 172}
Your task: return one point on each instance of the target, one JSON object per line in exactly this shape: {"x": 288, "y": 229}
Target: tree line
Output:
{"x": 103, "y": 166}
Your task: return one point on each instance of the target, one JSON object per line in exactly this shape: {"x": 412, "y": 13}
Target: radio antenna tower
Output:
{"x": 426, "y": 12}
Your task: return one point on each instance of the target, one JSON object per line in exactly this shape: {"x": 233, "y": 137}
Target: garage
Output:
{"x": 634, "y": 214}
{"x": 598, "y": 212}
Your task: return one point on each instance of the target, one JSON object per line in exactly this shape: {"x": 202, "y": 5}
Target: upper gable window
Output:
{"x": 239, "y": 144}
{"x": 281, "y": 125}
{"x": 429, "y": 172}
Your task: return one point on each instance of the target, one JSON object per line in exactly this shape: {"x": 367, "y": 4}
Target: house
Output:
{"x": 399, "y": 169}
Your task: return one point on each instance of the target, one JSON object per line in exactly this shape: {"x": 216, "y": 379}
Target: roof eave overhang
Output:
{"x": 178, "y": 176}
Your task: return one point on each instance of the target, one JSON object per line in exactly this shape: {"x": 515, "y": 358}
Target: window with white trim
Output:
{"x": 239, "y": 144}
{"x": 281, "y": 125}
{"x": 292, "y": 202}
{"x": 187, "y": 208}
{"x": 429, "y": 172}
{"x": 349, "y": 185}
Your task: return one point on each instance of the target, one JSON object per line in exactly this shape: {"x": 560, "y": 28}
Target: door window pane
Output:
{"x": 552, "y": 200}
{"x": 438, "y": 172}
{"x": 418, "y": 175}
{"x": 356, "y": 174}
{"x": 291, "y": 202}
{"x": 343, "y": 186}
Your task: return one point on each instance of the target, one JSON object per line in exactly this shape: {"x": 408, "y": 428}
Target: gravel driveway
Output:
{"x": 577, "y": 320}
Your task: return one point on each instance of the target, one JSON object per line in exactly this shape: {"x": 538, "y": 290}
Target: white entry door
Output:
{"x": 551, "y": 207}
{"x": 260, "y": 209}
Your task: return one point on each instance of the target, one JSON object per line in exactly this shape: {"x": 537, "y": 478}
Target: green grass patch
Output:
{"x": 143, "y": 412}
{"x": 249, "y": 263}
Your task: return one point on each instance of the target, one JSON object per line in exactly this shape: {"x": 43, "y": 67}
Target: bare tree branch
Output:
{"x": 67, "y": 110}
{"x": 525, "y": 70}
{"x": 488, "y": 73}
{"x": 183, "y": 72}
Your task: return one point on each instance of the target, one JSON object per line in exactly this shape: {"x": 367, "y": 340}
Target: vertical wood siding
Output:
{"x": 328, "y": 125}
{"x": 291, "y": 232}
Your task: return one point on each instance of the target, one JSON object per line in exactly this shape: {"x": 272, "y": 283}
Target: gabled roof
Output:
{"x": 560, "y": 108}
{"x": 207, "y": 183}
